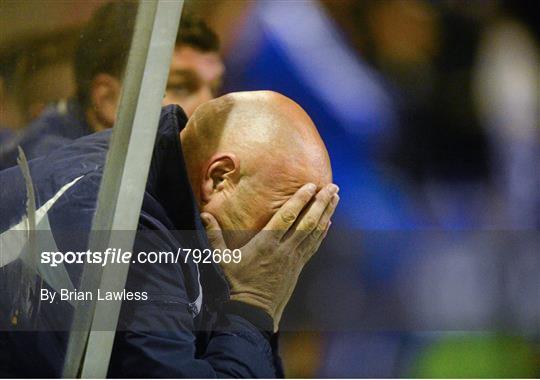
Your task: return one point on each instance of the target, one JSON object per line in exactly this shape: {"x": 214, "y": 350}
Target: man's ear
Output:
{"x": 104, "y": 96}
{"x": 222, "y": 172}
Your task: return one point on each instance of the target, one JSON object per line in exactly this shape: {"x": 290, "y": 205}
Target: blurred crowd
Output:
{"x": 431, "y": 114}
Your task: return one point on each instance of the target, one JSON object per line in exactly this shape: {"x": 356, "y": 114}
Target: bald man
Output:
{"x": 249, "y": 166}
{"x": 266, "y": 149}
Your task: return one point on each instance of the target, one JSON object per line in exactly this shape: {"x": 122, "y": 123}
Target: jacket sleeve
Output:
{"x": 156, "y": 337}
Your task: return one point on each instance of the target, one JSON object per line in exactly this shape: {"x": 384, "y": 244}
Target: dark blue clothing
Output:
{"x": 172, "y": 334}
{"x": 5, "y": 134}
{"x": 58, "y": 125}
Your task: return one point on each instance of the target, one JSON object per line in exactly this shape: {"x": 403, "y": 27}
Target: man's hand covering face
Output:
{"x": 272, "y": 261}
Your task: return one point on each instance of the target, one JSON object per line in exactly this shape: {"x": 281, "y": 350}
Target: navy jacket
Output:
{"x": 186, "y": 328}
{"x": 5, "y": 134}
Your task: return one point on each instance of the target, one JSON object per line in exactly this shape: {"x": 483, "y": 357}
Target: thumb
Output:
{"x": 213, "y": 231}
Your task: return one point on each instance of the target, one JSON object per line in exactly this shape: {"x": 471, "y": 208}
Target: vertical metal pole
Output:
{"x": 123, "y": 183}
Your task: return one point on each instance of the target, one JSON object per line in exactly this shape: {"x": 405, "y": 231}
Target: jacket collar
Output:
{"x": 168, "y": 183}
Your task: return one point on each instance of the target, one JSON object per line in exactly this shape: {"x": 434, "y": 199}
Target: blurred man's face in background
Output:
{"x": 194, "y": 78}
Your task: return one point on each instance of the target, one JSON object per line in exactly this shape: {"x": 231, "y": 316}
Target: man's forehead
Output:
{"x": 208, "y": 65}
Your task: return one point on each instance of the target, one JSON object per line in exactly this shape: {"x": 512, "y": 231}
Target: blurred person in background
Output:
{"x": 507, "y": 92}
{"x": 100, "y": 60}
{"x": 45, "y": 71}
{"x": 34, "y": 71}
{"x": 426, "y": 52}
{"x": 197, "y": 69}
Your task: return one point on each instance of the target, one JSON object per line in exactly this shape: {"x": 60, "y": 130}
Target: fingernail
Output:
{"x": 311, "y": 188}
{"x": 327, "y": 227}
{"x": 204, "y": 219}
{"x": 333, "y": 189}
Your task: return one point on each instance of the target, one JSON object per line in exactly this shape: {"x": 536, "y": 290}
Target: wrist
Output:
{"x": 256, "y": 301}
{"x": 256, "y": 316}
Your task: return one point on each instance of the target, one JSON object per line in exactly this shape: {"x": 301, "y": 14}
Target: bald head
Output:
{"x": 264, "y": 129}
{"x": 260, "y": 144}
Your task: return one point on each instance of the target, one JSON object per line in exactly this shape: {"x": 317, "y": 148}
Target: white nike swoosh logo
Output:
{"x": 14, "y": 242}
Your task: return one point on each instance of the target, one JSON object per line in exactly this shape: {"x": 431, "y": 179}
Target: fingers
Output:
{"x": 324, "y": 222}
{"x": 326, "y": 230}
{"x": 311, "y": 243}
{"x": 213, "y": 231}
{"x": 285, "y": 217}
{"x": 316, "y": 216}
